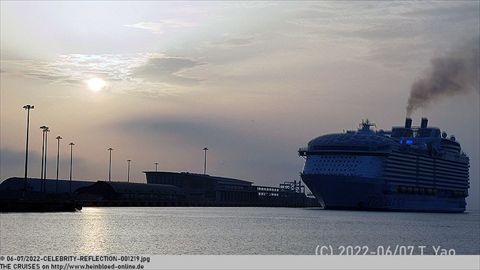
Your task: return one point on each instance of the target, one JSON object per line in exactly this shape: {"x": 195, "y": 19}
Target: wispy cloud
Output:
{"x": 77, "y": 67}
{"x": 236, "y": 41}
{"x": 166, "y": 69}
{"x": 161, "y": 26}
{"x": 142, "y": 73}
{"x": 390, "y": 33}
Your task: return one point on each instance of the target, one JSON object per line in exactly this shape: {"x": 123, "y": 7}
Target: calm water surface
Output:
{"x": 229, "y": 231}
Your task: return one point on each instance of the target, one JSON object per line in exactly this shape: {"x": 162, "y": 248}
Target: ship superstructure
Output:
{"x": 406, "y": 169}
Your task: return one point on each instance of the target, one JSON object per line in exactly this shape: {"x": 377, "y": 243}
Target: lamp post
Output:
{"x": 28, "y": 108}
{"x": 45, "y": 163}
{"x": 43, "y": 173}
{"x": 110, "y": 165}
{"x": 128, "y": 170}
{"x": 156, "y": 166}
{"x": 71, "y": 164}
{"x": 43, "y": 128}
{"x": 58, "y": 160}
{"x": 205, "y": 161}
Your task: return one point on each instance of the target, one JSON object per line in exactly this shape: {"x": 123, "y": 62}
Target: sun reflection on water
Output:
{"x": 93, "y": 231}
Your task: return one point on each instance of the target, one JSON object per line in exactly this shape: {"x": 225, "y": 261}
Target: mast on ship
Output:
{"x": 366, "y": 124}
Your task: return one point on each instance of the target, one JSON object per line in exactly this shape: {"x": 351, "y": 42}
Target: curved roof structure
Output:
{"x": 35, "y": 184}
{"x": 122, "y": 187}
{"x": 353, "y": 139}
{"x": 102, "y": 187}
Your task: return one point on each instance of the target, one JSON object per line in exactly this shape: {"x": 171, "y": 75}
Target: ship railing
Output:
{"x": 369, "y": 151}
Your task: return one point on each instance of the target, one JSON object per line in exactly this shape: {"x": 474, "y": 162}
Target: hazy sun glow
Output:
{"x": 96, "y": 84}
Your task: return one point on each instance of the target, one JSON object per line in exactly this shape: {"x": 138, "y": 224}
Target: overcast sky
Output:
{"x": 251, "y": 81}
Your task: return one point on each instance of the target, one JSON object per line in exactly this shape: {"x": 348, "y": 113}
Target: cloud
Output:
{"x": 161, "y": 26}
{"x": 239, "y": 150}
{"x": 454, "y": 12}
{"x": 388, "y": 33}
{"x": 77, "y": 67}
{"x": 187, "y": 130}
{"x": 12, "y": 163}
{"x": 141, "y": 73}
{"x": 167, "y": 69}
{"x": 236, "y": 41}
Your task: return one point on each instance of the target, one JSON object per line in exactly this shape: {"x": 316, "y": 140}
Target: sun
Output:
{"x": 96, "y": 84}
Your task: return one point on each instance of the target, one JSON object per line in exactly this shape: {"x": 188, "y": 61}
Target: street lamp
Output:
{"x": 156, "y": 166}
{"x": 28, "y": 108}
{"x": 110, "y": 165}
{"x": 205, "y": 161}
{"x": 71, "y": 164}
{"x": 43, "y": 171}
{"x": 128, "y": 170}
{"x": 43, "y": 128}
{"x": 58, "y": 160}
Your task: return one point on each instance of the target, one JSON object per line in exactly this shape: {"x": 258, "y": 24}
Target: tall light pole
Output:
{"x": 43, "y": 128}
{"x": 128, "y": 170}
{"x": 71, "y": 163}
{"x": 43, "y": 173}
{"x": 156, "y": 166}
{"x": 28, "y": 108}
{"x": 45, "y": 163}
{"x": 205, "y": 161}
{"x": 58, "y": 160}
{"x": 110, "y": 165}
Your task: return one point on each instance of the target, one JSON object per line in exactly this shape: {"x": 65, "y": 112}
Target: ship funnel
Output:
{"x": 408, "y": 122}
{"x": 424, "y": 123}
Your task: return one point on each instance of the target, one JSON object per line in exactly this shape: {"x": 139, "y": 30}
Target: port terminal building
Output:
{"x": 214, "y": 190}
{"x": 163, "y": 189}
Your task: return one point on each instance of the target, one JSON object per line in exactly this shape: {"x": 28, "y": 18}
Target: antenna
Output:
{"x": 366, "y": 124}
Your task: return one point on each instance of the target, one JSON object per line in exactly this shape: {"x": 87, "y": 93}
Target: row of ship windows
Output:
{"x": 338, "y": 157}
{"x": 336, "y": 166}
{"x": 428, "y": 166}
{"x": 427, "y": 169}
{"x": 425, "y": 175}
{"x": 425, "y": 184}
{"x": 430, "y": 181}
{"x": 430, "y": 191}
{"x": 338, "y": 161}
{"x": 427, "y": 160}
{"x": 424, "y": 178}
{"x": 332, "y": 170}
{"x": 338, "y": 174}
{"x": 422, "y": 165}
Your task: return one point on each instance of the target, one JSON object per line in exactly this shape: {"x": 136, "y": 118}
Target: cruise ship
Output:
{"x": 405, "y": 169}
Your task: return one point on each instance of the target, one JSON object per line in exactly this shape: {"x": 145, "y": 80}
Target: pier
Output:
{"x": 162, "y": 189}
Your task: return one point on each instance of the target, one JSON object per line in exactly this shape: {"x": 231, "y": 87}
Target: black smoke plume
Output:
{"x": 449, "y": 75}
